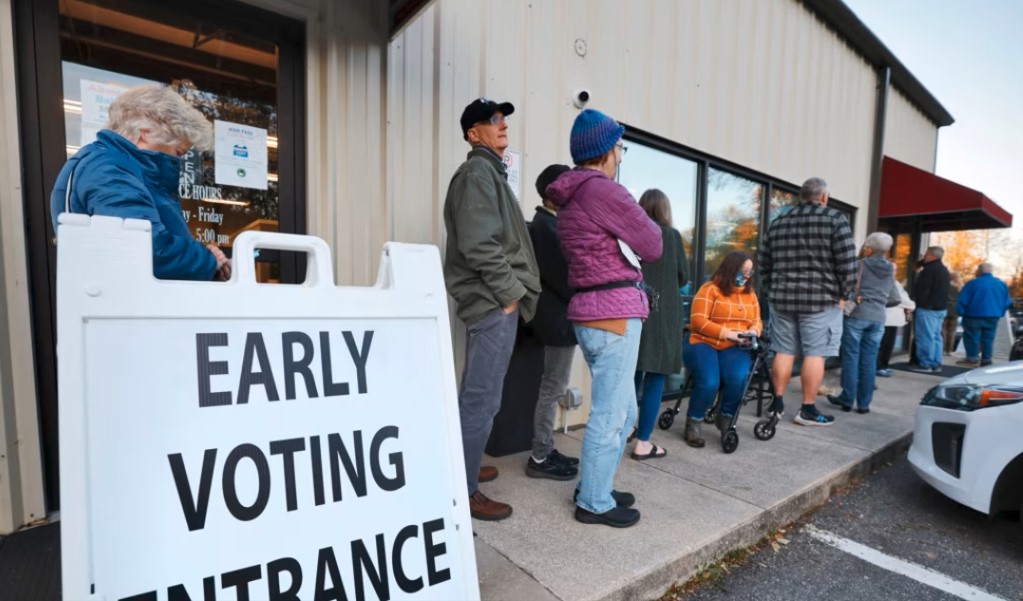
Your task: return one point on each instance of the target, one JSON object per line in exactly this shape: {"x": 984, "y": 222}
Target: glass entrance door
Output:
{"x": 241, "y": 66}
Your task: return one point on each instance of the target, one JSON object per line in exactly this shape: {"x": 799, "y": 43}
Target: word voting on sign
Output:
{"x": 244, "y": 441}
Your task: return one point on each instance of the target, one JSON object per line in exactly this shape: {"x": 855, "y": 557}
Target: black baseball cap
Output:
{"x": 482, "y": 109}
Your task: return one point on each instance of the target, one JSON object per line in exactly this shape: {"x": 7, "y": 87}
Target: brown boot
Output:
{"x": 693, "y": 432}
{"x": 487, "y": 473}
{"x": 482, "y": 508}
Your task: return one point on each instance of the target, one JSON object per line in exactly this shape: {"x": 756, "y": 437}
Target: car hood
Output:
{"x": 1003, "y": 373}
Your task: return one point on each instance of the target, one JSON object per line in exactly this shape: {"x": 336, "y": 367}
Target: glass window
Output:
{"x": 644, "y": 167}
{"x": 733, "y": 216}
{"x": 900, "y": 256}
{"x": 229, "y": 76}
{"x": 781, "y": 201}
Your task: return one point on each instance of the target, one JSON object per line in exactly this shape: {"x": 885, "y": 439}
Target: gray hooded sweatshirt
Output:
{"x": 877, "y": 288}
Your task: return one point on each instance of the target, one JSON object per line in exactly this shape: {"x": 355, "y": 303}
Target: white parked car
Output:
{"x": 968, "y": 439}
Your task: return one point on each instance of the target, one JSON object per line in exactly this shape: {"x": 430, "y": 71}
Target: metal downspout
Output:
{"x": 877, "y": 158}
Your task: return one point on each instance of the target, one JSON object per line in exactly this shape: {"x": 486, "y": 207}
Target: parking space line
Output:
{"x": 905, "y": 568}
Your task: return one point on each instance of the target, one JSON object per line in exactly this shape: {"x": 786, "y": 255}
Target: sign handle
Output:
{"x": 319, "y": 270}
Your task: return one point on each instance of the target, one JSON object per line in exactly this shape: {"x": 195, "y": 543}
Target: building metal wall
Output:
{"x": 909, "y": 136}
{"x": 761, "y": 83}
{"x": 21, "y": 474}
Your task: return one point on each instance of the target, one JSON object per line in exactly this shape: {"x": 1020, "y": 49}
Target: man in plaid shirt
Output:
{"x": 807, "y": 265}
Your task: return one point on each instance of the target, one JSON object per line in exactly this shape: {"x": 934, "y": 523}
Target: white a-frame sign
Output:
{"x": 249, "y": 441}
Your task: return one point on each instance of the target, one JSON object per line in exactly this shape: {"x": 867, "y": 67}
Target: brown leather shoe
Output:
{"x": 482, "y": 508}
{"x": 487, "y": 473}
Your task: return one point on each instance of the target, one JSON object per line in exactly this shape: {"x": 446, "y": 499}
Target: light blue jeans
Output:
{"x": 927, "y": 329}
{"x": 612, "y": 361}
{"x": 860, "y": 342}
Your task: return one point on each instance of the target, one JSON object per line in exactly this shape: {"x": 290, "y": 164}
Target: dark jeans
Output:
{"x": 979, "y": 332}
{"x": 884, "y": 352}
{"x": 488, "y": 349}
{"x": 650, "y": 389}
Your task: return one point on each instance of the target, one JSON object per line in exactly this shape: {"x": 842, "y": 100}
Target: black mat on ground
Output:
{"x": 947, "y": 371}
{"x": 30, "y": 564}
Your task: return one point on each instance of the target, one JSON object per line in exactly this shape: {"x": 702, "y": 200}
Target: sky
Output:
{"x": 969, "y": 55}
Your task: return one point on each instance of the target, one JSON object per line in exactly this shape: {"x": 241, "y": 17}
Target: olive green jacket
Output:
{"x": 489, "y": 261}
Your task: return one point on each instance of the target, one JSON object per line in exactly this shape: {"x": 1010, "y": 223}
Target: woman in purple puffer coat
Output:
{"x": 602, "y": 230}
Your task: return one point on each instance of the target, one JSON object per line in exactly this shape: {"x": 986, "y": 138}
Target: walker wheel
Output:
{"x": 764, "y": 430}
{"x": 712, "y": 414}
{"x": 666, "y": 419}
{"x": 730, "y": 441}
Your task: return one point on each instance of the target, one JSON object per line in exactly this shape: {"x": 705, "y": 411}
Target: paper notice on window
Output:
{"x": 96, "y": 99}
{"x": 240, "y": 155}
{"x": 513, "y": 161}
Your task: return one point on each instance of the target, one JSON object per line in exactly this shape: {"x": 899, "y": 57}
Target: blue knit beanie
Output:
{"x": 593, "y": 134}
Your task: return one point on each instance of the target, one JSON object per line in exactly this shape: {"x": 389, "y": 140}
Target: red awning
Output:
{"x": 908, "y": 194}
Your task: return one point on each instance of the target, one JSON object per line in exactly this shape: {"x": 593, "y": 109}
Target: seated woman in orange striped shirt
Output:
{"x": 723, "y": 308}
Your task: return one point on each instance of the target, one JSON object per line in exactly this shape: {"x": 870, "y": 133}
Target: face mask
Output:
{"x": 740, "y": 280}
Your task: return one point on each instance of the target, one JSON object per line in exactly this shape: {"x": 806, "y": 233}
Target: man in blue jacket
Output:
{"x": 982, "y": 302}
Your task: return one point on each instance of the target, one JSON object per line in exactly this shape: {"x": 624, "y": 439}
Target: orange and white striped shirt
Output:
{"x": 712, "y": 312}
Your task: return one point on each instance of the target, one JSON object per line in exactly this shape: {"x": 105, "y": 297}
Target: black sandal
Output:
{"x": 653, "y": 454}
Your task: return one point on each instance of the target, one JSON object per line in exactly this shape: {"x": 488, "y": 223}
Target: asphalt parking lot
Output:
{"x": 889, "y": 537}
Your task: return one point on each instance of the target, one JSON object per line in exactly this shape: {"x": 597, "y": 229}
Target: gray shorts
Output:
{"x": 807, "y": 334}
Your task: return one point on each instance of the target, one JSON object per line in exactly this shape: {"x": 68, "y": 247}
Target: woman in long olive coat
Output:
{"x": 660, "y": 347}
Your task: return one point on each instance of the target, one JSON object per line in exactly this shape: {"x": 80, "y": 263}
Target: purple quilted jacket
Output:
{"x": 594, "y": 212}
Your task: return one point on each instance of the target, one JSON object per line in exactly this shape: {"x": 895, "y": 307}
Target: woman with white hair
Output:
{"x": 863, "y": 327}
{"x": 131, "y": 171}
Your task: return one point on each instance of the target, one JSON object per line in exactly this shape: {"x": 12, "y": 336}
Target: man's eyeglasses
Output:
{"x": 496, "y": 119}
{"x": 622, "y": 148}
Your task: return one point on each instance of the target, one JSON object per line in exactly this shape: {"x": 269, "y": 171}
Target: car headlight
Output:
{"x": 970, "y": 397}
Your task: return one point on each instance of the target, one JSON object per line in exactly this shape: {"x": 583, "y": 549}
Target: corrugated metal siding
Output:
{"x": 760, "y": 83}
{"x": 346, "y": 84}
{"x": 21, "y": 473}
{"x": 909, "y": 136}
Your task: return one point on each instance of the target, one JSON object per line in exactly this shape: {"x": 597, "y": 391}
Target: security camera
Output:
{"x": 580, "y": 98}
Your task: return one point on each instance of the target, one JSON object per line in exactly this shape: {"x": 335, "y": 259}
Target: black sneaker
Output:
{"x": 563, "y": 459}
{"x": 622, "y": 499}
{"x": 777, "y": 406}
{"x": 549, "y": 468}
{"x": 862, "y": 411}
{"x": 834, "y": 400}
{"x": 809, "y": 416}
{"x": 619, "y": 517}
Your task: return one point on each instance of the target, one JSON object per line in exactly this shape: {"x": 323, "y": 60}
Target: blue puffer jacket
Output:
{"x": 115, "y": 178}
{"x": 983, "y": 296}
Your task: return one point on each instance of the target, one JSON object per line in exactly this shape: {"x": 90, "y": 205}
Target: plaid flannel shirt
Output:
{"x": 807, "y": 261}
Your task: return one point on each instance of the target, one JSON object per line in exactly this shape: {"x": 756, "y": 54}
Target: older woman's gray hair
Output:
{"x": 163, "y": 113}
{"x": 879, "y": 242}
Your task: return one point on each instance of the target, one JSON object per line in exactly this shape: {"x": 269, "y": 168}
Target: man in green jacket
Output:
{"x": 490, "y": 271}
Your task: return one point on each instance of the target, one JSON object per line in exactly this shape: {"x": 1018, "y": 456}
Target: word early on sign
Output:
{"x": 243, "y": 441}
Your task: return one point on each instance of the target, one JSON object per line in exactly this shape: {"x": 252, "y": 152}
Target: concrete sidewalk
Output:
{"x": 696, "y": 504}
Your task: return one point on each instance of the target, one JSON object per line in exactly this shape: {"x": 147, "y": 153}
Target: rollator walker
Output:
{"x": 758, "y": 388}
